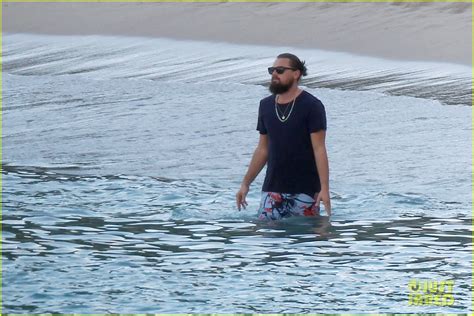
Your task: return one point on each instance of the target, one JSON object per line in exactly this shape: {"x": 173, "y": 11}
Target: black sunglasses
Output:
{"x": 279, "y": 70}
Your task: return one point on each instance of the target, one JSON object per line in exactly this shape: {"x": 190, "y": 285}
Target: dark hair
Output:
{"x": 295, "y": 63}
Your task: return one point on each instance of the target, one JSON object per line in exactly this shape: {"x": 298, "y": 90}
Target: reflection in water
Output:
{"x": 111, "y": 254}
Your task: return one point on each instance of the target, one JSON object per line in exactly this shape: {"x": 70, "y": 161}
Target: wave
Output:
{"x": 159, "y": 59}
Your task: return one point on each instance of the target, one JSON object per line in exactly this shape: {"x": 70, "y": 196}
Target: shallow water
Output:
{"x": 122, "y": 157}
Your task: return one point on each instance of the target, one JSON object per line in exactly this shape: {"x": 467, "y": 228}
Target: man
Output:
{"x": 292, "y": 126}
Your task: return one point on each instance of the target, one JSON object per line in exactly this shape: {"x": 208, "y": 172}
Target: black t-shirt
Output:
{"x": 291, "y": 166}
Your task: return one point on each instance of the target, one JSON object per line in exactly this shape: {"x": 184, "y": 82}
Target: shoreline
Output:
{"x": 432, "y": 32}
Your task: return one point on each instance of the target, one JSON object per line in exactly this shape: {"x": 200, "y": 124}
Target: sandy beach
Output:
{"x": 403, "y": 31}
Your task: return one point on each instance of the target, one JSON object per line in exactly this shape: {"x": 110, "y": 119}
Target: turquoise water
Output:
{"x": 122, "y": 157}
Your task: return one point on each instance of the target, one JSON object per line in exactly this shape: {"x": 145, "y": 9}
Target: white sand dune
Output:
{"x": 404, "y": 31}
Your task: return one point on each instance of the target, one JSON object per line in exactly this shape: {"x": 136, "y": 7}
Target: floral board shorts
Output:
{"x": 274, "y": 206}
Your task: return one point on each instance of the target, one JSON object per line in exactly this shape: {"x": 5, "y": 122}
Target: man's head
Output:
{"x": 286, "y": 72}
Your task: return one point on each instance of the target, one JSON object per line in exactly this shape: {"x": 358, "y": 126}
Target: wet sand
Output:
{"x": 403, "y": 31}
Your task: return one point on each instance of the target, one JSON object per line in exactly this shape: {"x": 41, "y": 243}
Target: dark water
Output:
{"x": 121, "y": 162}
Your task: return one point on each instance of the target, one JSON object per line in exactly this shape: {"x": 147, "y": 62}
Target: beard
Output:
{"x": 279, "y": 88}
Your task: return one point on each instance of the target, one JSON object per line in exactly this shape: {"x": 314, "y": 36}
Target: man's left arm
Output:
{"x": 318, "y": 141}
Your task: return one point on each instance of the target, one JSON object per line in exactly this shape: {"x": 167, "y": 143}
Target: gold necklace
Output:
{"x": 283, "y": 109}
{"x": 284, "y": 118}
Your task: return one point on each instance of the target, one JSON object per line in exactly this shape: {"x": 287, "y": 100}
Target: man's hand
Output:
{"x": 325, "y": 197}
{"x": 241, "y": 195}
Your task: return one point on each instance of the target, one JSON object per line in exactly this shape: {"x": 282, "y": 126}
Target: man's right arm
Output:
{"x": 259, "y": 159}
